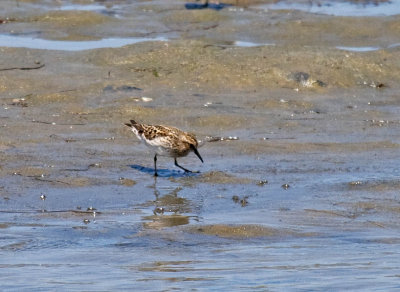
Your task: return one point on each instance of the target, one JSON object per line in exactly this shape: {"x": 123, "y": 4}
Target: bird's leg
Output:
{"x": 155, "y": 165}
{"x": 186, "y": 170}
{"x": 181, "y": 167}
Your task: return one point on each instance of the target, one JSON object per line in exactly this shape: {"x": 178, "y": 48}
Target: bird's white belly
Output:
{"x": 158, "y": 147}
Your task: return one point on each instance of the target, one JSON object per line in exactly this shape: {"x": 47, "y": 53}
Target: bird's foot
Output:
{"x": 192, "y": 171}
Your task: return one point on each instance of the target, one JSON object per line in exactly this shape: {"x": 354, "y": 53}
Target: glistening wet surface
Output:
{"x": 42, "y": 44}
{"x": 340, "y": 8}
{"x": 300, "y": 181}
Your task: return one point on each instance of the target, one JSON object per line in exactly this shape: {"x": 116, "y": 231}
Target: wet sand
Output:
{"x": 304, "y": 197}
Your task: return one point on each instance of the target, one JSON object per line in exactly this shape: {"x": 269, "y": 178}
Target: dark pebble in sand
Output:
{"x": 302, "y": 77}
{"x": 320, "y": 83}
{"x": 355, "y": 183}
{"x": 377, "y": 85}
{"x": 126, "y": 88}
{"x": 158, "y": 210}
{"x": 262, "y": 182}
{"x": 244, "y": 202}
{"x": 298, "y": 76}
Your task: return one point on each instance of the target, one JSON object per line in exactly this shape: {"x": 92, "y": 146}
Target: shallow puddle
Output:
{"x": 43, "y": 44}
{"x": 358, "y": 49}
{"x": 340, "y": 8}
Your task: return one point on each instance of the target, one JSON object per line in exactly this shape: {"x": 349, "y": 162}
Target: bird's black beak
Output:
{"x": 196, "y": 152}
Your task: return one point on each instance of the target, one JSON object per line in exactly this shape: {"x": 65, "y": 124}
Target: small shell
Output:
{"x": 146, "y": 99}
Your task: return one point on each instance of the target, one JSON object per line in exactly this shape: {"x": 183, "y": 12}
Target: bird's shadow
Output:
{"x": 219, "y": 6}
{"x": 162, "y": 172}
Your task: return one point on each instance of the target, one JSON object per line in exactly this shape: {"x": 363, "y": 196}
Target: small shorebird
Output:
{"x": 165, "y": 141}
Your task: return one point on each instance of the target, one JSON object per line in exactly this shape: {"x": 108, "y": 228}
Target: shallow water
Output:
{"x": 250, "y": 44}
{"x": 305, "y": 237}
{"x": 43, "y": 44}
{"x": 358, "y": 49}
{"x": 340, "y": 8}
{"x": 305, "y": 197}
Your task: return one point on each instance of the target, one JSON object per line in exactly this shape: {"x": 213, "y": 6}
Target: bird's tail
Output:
{"x": 130, "y": 125}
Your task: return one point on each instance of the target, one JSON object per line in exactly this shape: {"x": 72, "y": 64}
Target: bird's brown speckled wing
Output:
{"x": 152, "y": 132}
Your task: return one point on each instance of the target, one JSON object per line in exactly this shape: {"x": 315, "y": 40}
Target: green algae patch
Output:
{"x": 217, "y": 177}
{"x": 235, "y": 231}
{"x": 244, "y": 231}
{"x": 160, "y": 222}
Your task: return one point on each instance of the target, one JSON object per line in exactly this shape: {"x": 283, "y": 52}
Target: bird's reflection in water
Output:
{"x": 169, "y": 209}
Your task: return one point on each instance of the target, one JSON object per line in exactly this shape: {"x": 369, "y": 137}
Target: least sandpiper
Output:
{"x": 165, "y": 141}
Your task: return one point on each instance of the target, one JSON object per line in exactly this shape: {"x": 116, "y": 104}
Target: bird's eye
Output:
{"x": 140, "y": 131}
